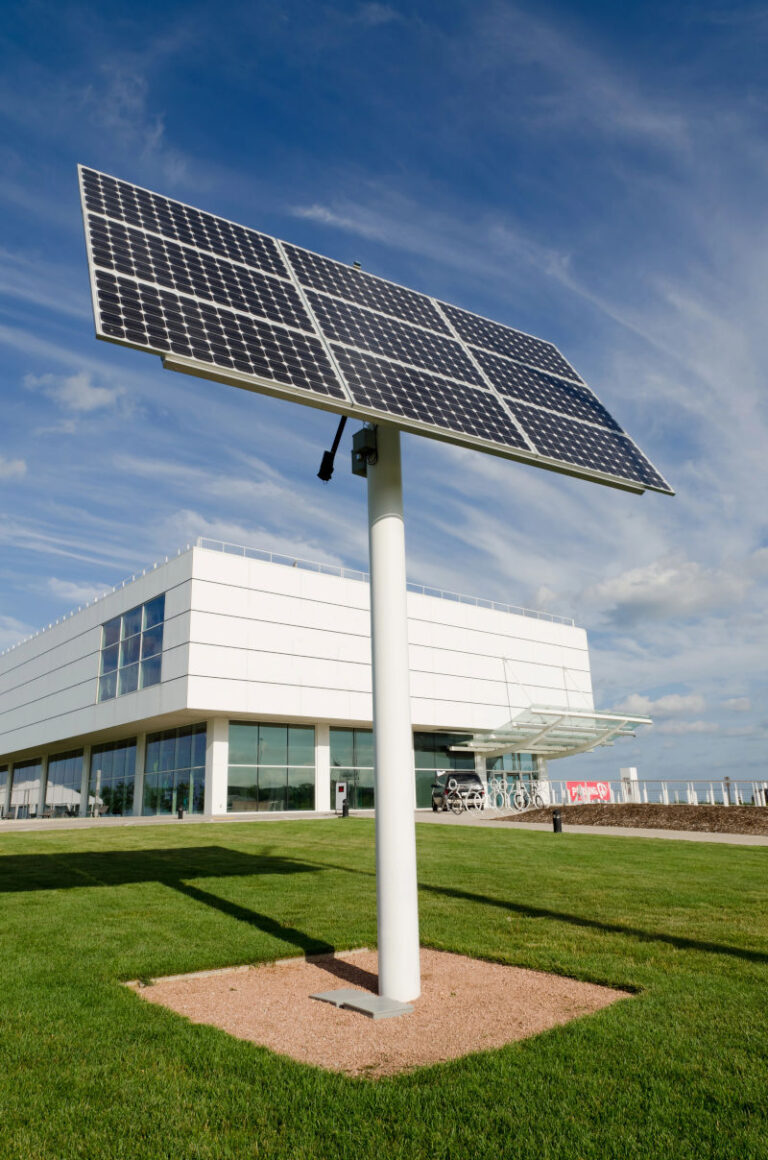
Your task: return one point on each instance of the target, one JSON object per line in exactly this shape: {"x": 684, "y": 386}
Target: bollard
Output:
{"x": 345, "y": 809}
{"x": 557, "y": 822}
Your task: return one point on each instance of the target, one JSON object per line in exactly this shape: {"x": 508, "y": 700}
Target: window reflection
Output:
{"x": 174, "y": 777}
{"x": 131, "y": 650}
{"x": 62, "y": 789}
{"x": 272, "y": 767}
{"x": 112, "y": 777}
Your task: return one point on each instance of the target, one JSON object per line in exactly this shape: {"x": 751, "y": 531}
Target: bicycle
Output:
{"x": 524, "y": 799}
{"x": 458, "y": 802}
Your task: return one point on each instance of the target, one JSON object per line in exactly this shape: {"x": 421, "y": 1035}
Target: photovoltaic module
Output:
{"x": 225, "y": 302}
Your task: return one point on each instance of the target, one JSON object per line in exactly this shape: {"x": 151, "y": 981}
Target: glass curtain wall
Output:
{"x": 271, "y": 767}
{"x": 3, "y": 788}
{"x": 131, "y": 650}
{"x": 431, "y": 752}
{"x": 62, "y": 789}
{"x": 516, "y": 766}
{"x": 174, "y": 771}
{"x": 111, "y": 783}
{"x": 352, "y": 762}
{"x": 25, "y": 788}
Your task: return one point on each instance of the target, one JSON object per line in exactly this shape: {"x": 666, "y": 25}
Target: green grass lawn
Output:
{"x": 89, "y": 1070}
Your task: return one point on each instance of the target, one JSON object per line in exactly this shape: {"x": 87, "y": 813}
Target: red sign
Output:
{"x": 588, "y": 791}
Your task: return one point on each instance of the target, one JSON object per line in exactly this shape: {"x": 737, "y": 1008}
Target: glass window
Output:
{"x": 301, "y": 789}
{"x": 150, "y": 672}
{"x": 272, "y": 767}
{"x": 198, "y": 745}
{"x": 110, "y": 632}
{"x": 364, "y": 748}
{"x": 112, "y": 777}
{"x": 273, "y": 744}
{"x": 154, "y": 611}
{"x": 131, "y": 650}
{"x": 183, "y": 749}
{"x": 343, "y": 747}
{"x": 128, "y": 680}
{"x": 109, "y": 658}
{"x": 131, "y": 624}
{"x": 243, "y": 789}
{"x": 243, "y": 744}
{"x": 301, "y": 745}
{"x": 174, "y": 777}
{"x": 108, "y": 687}
{"x": 25, "y": 788}
{"x": 62, "y": 790}
{"x": 272, "y": 785}
{"x": 152, "y": 643}
{"x": 352, "y": 762}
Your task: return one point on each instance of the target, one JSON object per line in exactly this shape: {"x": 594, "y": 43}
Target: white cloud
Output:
{"x": 668, "y": 588}
{"x": 12, "y": 631}
{"x": 74, "y": 392}
{"x": 738, "y": 704}
{"x": 681, "y": 728}
{"x": 671, "y": 705}
{"x": 120, "y": 106}
{"x": 73, "y": 592}
{"x": 374, "y": 14}
{"x": 33, "y": 280}
{"x": 12, "y": 468}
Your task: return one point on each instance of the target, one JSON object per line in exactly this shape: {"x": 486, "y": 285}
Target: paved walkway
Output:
{"x": 471, "y": 818}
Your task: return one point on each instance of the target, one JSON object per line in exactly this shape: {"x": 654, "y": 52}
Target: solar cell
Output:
{"x": 172, "y": 219}
{"x": 168, "y": 323}
{"x": 522, "y": 382}
{"x": 576, "y": 443}
{"x": 218, "y": 299}
{"x": 343, "y": 322}
{"x": 131, "y": 251}
{"x": 493, "y": 336}
{"x": 355, "y": 285}
{"x": 382, "y": 386}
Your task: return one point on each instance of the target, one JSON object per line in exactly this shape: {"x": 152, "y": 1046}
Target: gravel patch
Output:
{"x": 702, "y": 819}
{"x": 466, "y": 1005}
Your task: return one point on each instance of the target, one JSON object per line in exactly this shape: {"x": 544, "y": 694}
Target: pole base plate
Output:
{"x": 374, "y": 1006}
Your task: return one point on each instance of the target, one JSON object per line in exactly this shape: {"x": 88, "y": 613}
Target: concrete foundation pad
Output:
{"x": 374, "y": 1006}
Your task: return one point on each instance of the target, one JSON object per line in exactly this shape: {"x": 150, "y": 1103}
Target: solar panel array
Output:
{"x": 243, "y": 307}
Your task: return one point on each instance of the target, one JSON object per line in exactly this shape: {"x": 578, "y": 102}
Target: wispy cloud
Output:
{"x": 12, "y": 468}
{"x": 75, "y": 392}
{"x": 672, "y": 705}
{"x": 683, "y": 728}
{"x": 738, "y": 704}
{"x": 374, "y": 14}
{"x": 74, "y": 593}
{"x": 33, "y": 280}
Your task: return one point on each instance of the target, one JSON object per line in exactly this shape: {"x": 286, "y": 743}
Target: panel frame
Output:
{"x": 348, "y": 407}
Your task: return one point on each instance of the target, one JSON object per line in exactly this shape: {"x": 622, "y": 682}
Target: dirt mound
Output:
{"x": 704, "y": 819}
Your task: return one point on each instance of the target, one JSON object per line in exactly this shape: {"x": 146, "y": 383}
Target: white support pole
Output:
{"x": 396, "y": 885}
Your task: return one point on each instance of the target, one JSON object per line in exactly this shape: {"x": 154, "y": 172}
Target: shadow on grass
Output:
{"x": 527, "y": 911}
{"x": 678, "y": 941}
{"x": 23, "y": 873}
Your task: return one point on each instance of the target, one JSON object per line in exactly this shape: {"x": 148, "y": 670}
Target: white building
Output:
{"x": 229, "y": 680}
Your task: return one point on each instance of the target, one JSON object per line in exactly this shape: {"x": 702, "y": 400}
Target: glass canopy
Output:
{"x": 553, "y": 733}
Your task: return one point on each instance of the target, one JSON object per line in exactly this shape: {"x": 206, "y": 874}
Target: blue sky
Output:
{"x": 593, "y": 174}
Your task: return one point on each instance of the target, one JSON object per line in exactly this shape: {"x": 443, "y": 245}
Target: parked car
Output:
{"x": 468, "y": 784}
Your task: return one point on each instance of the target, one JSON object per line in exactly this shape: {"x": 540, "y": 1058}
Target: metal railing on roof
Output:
{"x": 294, "y": 562}
{"x": 354, "y": 574}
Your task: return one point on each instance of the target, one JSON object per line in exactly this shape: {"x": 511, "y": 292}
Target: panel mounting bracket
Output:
{"x": 364, "y": 450}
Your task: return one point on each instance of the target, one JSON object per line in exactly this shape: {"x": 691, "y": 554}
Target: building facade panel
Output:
{"x": 273, "y": 648}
